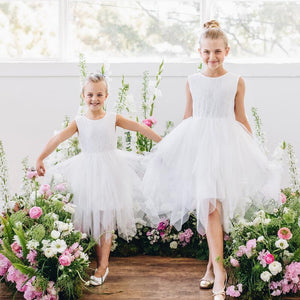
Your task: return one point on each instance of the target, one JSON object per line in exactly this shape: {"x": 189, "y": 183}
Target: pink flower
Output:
{"x": 31, "y": 174}
{"x": 292, "y": 272}
{"x": 15, "y": 247}
{"x": 45, "y": 190}
{"x": 226, "y": 237}
{"x": 61, "y": 187}
{"x": 261, "y": 257}
{"x": 234, "y": 262}
{"x": 65, "y": 260}
{"x": 233, "y": 292}
{"x": 284, "y": 233}
{"x": 269, "y": 258}
{"x": 31, "y": 256}
{"x": 152, "y": 119}
{"x": 73, "y": 247}
{"x": 147, "y": 122}
{"x": 163, "y": 225}
{"x": 283, "y": 198}
{"x": 251, "y": 244}
{"x": 4, "y": 264}
{"x": 242, "y": 250}
{"x": 35, "y": 212}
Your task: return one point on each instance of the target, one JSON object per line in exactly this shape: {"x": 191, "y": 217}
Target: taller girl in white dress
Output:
{"x": 103, "y": 182}
{"x": 210, "y": 163}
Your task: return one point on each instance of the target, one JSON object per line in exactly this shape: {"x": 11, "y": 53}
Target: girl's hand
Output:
{"x": 40, "y": 168}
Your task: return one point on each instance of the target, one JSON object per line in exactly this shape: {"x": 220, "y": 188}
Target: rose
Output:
{"x": 152, "y": 120}
{"x": 234, "y": 262}
{"x": 31, "y": 174}
{"x": 284, "y": 233}
{"x": 55, "y": 234}
{"x": 35, "y": 212}
{"x": 269, "y": 258}
{"x": 283, "y": 198}
{"x": 65, "y": 260}
{"x": 275, "y": 267}
{"x": 147, "y": 122}
{"x": 265, "y": 276}
{"x": 173, "y": 245}
{"x": 15, "y": 247}
{"x": 60, "y": 187}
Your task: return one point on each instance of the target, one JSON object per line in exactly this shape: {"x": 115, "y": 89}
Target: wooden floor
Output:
{"x": 146, "y": 277}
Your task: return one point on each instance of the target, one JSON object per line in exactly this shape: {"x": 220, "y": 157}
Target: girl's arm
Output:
{"x": 239, "y": 108}
{"x": 52, "y": 144}
{"x": 135, "y": 126}
{"x": 189, "y": 102}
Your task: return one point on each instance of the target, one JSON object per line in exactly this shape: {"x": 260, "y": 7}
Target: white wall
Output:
{"x": 35, "y": 97}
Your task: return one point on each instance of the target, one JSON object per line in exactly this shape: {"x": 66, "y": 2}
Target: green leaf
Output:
{"x": 20, "y": 233}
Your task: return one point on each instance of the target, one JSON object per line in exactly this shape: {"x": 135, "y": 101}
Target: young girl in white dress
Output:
{"x": 210, "y": 162}
{"x": 103, "y": 183}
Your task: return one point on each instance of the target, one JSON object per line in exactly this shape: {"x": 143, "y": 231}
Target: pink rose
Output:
{"x": 283, "y": 198}
{"x": 269, "y": 258}
{"x": 234, "y": 262}
{"x": 152, "y": 120}
{"x": 15, "y": 247}
{"x": 251, "y": 244}
{"x": 284, "y": 233}
{"x": 147, "y": 122}
{"x": 65, "y": 260}
{"x": 35, "y": 212}
{"x": 60, "y": 187}
{"x": 31, "y": 174}
{"x": 242, "y": 250}
{"x": 44, "y": 188}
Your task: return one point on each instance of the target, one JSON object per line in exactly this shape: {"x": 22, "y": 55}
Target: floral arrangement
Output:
{"x": 164, "y": 240}
{"x": 264, "y": 253}
{"x": 41, "y": 254}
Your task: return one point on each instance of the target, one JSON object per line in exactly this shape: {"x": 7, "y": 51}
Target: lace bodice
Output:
{"x": 213, "y": 97}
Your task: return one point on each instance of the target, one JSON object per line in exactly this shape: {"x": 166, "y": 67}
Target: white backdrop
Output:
{"x": 35, "y": 97}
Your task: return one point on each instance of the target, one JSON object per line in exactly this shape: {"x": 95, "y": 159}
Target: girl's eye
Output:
{"x": 99, "y": 95}
{"x": 89, "y": 95}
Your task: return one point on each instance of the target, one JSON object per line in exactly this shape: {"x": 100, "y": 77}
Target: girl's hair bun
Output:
{"x": 211, "y": 24}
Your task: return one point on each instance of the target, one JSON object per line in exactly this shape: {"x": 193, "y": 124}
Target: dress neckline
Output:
{"x": 95, "y": 119}
{"x": 214, "y": 77}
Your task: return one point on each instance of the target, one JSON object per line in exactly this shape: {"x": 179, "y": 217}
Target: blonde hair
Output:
{"x": 94, "y": 77}
{"x": 212, "y": 30}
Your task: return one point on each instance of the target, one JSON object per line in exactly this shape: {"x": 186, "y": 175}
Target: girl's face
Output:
{"x": 213, "y": 53}
{"x": 95, "y": 94}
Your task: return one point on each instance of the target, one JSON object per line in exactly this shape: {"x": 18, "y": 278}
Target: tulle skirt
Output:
{"x": 204, "y": 162}
{"x": 106, "y": 189}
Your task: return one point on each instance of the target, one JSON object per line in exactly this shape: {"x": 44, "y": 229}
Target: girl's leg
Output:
{"x": 103, "y": 251}
{"x": 215, "y": 244}
{"x": 209, "y": 274}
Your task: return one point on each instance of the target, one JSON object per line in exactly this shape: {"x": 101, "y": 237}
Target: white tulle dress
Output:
{"x": 210, "y": 159}
{"x": 104, "y": 181}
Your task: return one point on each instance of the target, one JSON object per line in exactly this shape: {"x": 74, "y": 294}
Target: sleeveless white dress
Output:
{"x": 210, "y": 158}
{"x": 105, "y": 185}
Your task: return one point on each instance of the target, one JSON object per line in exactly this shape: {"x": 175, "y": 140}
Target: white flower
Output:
{"x": 275, "y": 267}
{"x": 285, "y": 210}
{"x": 32, "y": 244}
{"x": 59, "y": 246}
{"x": 16, "y": 239}
{"x": 61, "y": 226}
{"x": 83, "y": 236}
{"x": 265, "y": 276}
{"x": 261, "y": 214}
{"x": 260, "y": 239}
{"x": 69, "y": 208}
{"x": 55, "y": 234}
{"x": 256, "y": 221}
{"x": 84, "y": 256}
{"x": 266, "y": 221}
{"x": 281, "y": 244}
{"x": 49, "y": 252}
{"x": 173, "y": 245}
{"x": 53, "y": 215}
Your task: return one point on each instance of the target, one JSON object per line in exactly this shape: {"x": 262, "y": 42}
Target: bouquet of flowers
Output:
{"x": 264, "y": 254}
{"x": 41, "y": 254}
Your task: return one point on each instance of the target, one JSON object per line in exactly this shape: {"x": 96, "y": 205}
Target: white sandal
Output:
{"x": 99, "y": 280}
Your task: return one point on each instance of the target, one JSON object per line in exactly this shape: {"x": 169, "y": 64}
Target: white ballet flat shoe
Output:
{"x": 99, "y": 280}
